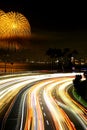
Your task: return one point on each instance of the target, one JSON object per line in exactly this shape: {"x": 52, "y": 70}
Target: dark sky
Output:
{"x": 51, "y": 15}
{"x": 53, "y": 23}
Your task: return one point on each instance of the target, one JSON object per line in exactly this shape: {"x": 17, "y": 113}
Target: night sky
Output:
{"x": 53, "y": 24}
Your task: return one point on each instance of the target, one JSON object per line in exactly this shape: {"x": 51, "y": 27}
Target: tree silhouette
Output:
{"x": 7, "y": 56}
{"x": 58, "y": 54}
{"x": 51, "y": 53}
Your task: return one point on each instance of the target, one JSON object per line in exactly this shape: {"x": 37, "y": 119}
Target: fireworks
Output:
{"x": 13, "y": 25}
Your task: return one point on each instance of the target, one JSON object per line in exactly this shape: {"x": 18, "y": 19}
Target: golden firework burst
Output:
{"x": 14, "y": 30}
{"x": 1, "y": 13}
{"x": 14, "y": 24}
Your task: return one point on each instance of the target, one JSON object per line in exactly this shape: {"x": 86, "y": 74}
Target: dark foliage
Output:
{"x": 81, "y": 86}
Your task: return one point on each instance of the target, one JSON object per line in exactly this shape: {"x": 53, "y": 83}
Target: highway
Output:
{"x": 40, "y": 102}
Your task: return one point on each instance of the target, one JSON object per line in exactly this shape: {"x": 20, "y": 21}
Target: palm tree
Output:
{"x": 72, "y": 55}
{"x": 57, "y": 54}
{"x": 51, "y": 53}
{"x": 5, "y": 53}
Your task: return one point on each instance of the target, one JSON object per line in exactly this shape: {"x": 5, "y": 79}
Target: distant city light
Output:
{"x": 72, "y": 59}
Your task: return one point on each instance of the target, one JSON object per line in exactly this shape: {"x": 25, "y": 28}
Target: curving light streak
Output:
{"x": 62, "y": 122}
{"x": 34, "y": 106}
{"x": 34, "y": 118}
{"x": 75, "y": 107}
{"x": 24, "y": 99}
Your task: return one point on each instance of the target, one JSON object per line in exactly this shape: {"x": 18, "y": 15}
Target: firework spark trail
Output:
{"x": 13, "y": 26}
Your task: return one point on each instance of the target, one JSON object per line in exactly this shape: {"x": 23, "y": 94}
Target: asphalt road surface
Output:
{"x": 40, "y": 102}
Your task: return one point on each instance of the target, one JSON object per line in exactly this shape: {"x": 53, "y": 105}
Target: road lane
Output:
{"x": 45, "y": 105}
{"x": 61, "y": 120}
{"x": 73, "y": 105}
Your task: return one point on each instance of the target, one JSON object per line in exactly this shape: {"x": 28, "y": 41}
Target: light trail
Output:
{"x": 75, "y": 107}
{"x": 34, "y": 106}
{"x": 61, "y": 120}
{"x": 21, "y": 124}
{"x": 40, "y": 101}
